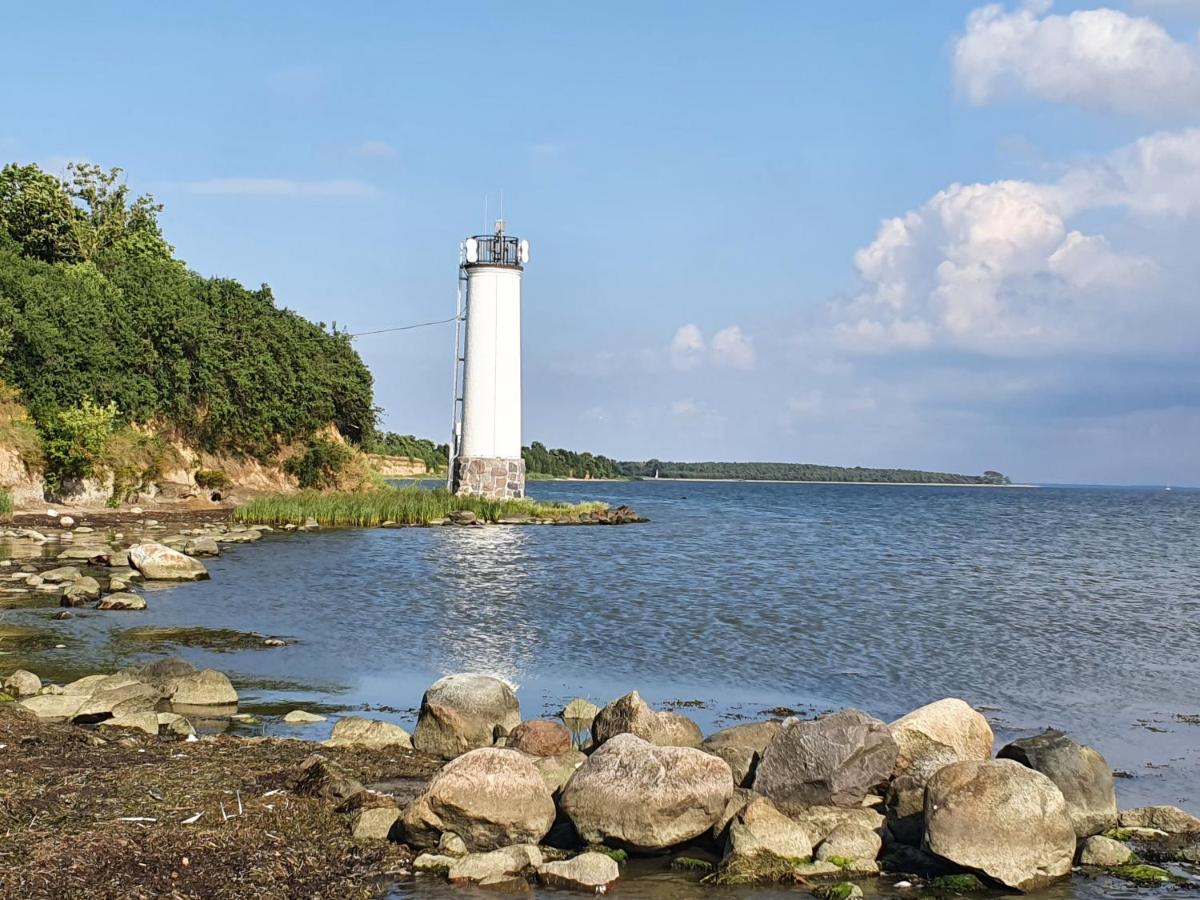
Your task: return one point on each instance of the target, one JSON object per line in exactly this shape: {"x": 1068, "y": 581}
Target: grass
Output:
{"x": 1141, "y": 873}
{"x": 6, "y": 504}
{"x": 692, "y": 864}
{"x": 398, "y": 505}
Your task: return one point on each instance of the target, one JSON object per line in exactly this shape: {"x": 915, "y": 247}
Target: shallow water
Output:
{"x": 1072, "y": 608}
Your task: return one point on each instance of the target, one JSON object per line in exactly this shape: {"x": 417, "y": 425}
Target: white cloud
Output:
{"x": 999, "y": 268}
{"x": 1100, "y": 58}
{"x": 730, "y": 347}
{"x": 687, "y": 347}
{"x": 281, "y": 187}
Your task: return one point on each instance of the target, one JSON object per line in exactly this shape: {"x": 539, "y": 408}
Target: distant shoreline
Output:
{"x": 800, "y": 481}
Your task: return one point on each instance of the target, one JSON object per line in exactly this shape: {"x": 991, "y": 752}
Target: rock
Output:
{"x": 556, "y": 771}
{"x": 175, "y": 724}
{"x": 822, "y": 821}
{"x": 452, "y": 845}
{"x": 946, "y": 730}
{"x": 121, "y": 699}
{"x": 464, "y": 712}
{"x": 591, "y": 873}
{"x": 834, "y": 760}
{"x": 489, "y": 797}
{"x": 540, "y": 737}
{"x": 66, "y": 521}
{"x": 375, "y": 823}
{"x": 146, "y": 722}
{"x": 319, "y": 777}
{"x": 737, "y": 802}
{"x": 761, "y": 828}
{"x": 352, "y": 730}
{"x": 1098, "y": 850}
{"x": 1170, "y": 819}
{"x": 631, "y": 715}
{"x": 53, "y": 707}
{"x": 86, "y": 685}
{"x": 579, "y": 711}
{"x": 1080, "y": 772}
{"x": 850, "y": 841}
{"x": 201, "y": 546}
{"x": 843, "y": 890}
{"x": 61, "y": 574}
{"x": 1002, "y": 819}
{"x": 22, "y": 683}
{"x": 301, "y": 717}
{"x": 646, "y": 796}
{"x": 161, "y": 563}
{"x": 741, "y": 746}
{"x": 433, "y": 863}
{"x": 91, "y": 553}
{"x": 904, "y": 806}
{"x": 511, "y": 860}
{"x": 62, "y": 616}
{"x": 462, "y": 517}
{"x": 122, "y": 600}
{"x": 205, "y": 688}
{"x": 82, "y": 591}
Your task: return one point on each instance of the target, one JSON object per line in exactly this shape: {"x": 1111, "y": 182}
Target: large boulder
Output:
{"x": 742, "y": 746}
{"x": 1081, "y": 774}
{"x": 1170, "y": 819}
{"x": 632, "y": 715}
{"x": 1099, "y": 850}
{"x": 646, "y": 797}
{"x": 121, "y": 699}
{"x": 122, "y": 600}
{"x": 823, "y": 821}
{"x": 159, "y": 562}
{"x": 557, "y": 770}
{"x": 321, "y": 777}
{"x": 465, "y": 712}
{"x": 929, "y": 737}
{"x": 22, "y": 683}
{"x": 489, "y": 797}
{"x": 850, "y": 841}
{"x": 540, "y": 737}
{"x": 477, "y": 867}
{"x": 205, "y": 688}
{"x": 353, "y": 730}
{"x": 589, "y": 873}
{"x": 834, "y": 760}
{"x": 1000, "y": 818}
{"x": 81, "y": 591}
{"x": 761, "y": 828}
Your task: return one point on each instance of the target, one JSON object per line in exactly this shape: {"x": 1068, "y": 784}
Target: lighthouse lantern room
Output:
{"x": 485, "y": 448}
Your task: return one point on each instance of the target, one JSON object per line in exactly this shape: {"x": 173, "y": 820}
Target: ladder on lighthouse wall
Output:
{"x": 460, "y": 359}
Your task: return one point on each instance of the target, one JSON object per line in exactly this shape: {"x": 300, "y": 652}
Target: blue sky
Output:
{"x": 707, "y": 190}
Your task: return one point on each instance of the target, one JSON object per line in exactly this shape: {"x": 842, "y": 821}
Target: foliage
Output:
{"x": 435, "y": 456}
{"x": 319, "y": 464}
{"x": 400, "y": 505}
{"x": 136, "y": 459}
{"x": 6, "y": 504}
{"x": 765, "y": 471}
{"x": 567, "y": 463}
{"x": 73, "y": 440}
{"x": 211, "y": 478}
{"x": 17, "y": 430}
{"x": 94, "y": 304}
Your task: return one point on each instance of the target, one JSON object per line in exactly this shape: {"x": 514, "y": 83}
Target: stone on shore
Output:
{"x": 1170, "y": 819}
{"x": 742, "y": 747}
{"x": 146, "y": 722}
{"x": 202, "y": 546}
{"x": 489, "y": 797}
{"x": 22, "y": 683}
{"x": 320, "y": 777}
{"x": 81, "y": 591}
{"x": 514, "y": 859}
{"x": 1080, "y": 772}
{"x": 352, "y": 730}
{"x": 835, "y": 760}
{"x": 556, "y": 771}
{"x": 175, "y": 724}
{"x": 54, "y": 707}
{"x": 578, "y": 712}
{"x": 540, "y": 737}
{"x": 589, "y": 872}
{"x": 122, "y": 600}
{"x": 761, "y": 828}
{"x": 938, "y": 732}
{"x": 1000, "y": 818}
{"x": 123, "y": 698}
{"x": 822, "y": 821}
{"x": 159, "y": 562}
{"x": 302, "y": 717}
{"x": 61, "y": 574}
{"x": 433, "y": 863}
{"x": 465, "y": 712}
{"x": 1099, "y": 850}
{"x": 850, "y": 841}
{"x": 205, "y": 688}
{"x": 375, "y": 823}
{"x": 645, "y": 796}
{"x": 632, "y": 715}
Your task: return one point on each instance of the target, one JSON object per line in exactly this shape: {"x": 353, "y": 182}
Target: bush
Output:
{"x": 74, "y": 439}
{"x": 211, "y": 478}
{"x": 6, "y": 504}
{"x": 320, "y": 463}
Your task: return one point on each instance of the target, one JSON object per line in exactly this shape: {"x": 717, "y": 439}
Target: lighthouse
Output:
{"x": 485, "y": 449}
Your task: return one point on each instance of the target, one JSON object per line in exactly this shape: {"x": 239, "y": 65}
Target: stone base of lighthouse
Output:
{"x": 496, "y": 479}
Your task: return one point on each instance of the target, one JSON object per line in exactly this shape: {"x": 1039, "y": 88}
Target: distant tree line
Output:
{"x": 756, "y": 471}
{"x": 561, "y": 463}
{"x": 435, "y": 456}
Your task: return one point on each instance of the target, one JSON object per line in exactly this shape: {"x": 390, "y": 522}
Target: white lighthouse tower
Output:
{"x": 485, "y": 448}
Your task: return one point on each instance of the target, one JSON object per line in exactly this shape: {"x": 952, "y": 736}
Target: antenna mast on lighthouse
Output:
{"x": 485, "y": 436}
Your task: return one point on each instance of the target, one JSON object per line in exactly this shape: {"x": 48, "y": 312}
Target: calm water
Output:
{"x": 1072, "y": 608}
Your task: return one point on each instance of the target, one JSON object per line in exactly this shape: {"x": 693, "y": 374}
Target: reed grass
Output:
{"x": 6, "y": 504}
{"x": 409, "y": 505}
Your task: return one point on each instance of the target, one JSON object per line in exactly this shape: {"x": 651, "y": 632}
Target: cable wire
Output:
{"x": 403, "y": 327}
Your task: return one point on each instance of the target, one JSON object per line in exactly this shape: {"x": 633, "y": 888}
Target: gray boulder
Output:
{"x": 589, "y": 873}
{"x": 81, "y": 591}
{"x": 645, "y": 796}
{"x": 822, "y": 821}
{"x": 512, "y": 860}
{"x": 61, "y": 574}
{"x": 834, "y": 760}
{"x": 375, "y": 823}
{"x": 1098, "y": 850}
{"x": 205, "y": 688}
{"x": 22, "y": 683}
{"x": 632, "y": 715}
{"x": 938, "y": 733}
{"x": 851, "y": 841}
{"x": 465, "y": 712}
{"x": 1080, "y": 772}
{"x": 1000, "y": 818}
{"x": 489, "y": 797}
{"x": 122, "y": 600}
{"x": 556, "y": 771}
{"x": 1170, "y": 819}
{"x": 353, "y": 730}
{"x": 742, "y": 746}
{"x": 761, "y": 828}
{"x": 159, "y": 562}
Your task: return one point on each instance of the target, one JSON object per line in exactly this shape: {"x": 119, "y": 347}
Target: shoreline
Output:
{"x": 797, "y": 481}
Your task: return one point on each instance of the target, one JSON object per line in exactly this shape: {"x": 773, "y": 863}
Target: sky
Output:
{"x": 947, "y": 236}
